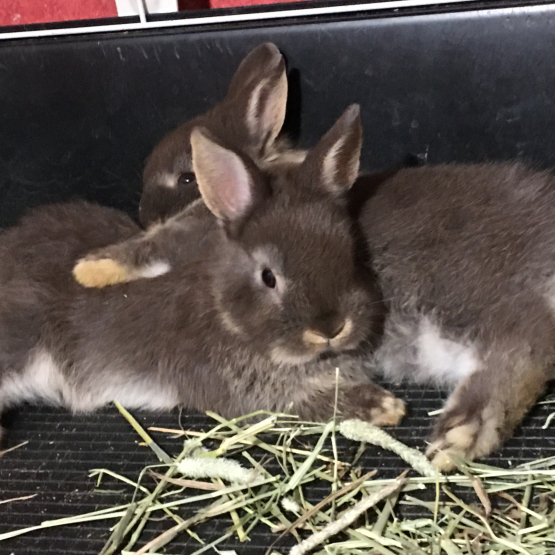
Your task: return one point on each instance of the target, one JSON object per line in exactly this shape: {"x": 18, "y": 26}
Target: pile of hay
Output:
{"x": 507, "y": 511}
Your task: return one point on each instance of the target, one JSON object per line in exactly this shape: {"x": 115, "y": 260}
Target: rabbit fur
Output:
{"x": 258, "y": 322}
{"x": 465, "y": 259}
{"x": 249, "y": 118}
{"x": 463, "y": 255}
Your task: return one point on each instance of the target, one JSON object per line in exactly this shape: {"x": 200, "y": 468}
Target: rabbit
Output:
{"x": 454, "y": 332}
{"x": 465, "y": 258}
{"x": 261, "y": 321}
{"x": 458, "y": 253}
{"x": 249, "y": 119}
{"x": 462, "y": 255}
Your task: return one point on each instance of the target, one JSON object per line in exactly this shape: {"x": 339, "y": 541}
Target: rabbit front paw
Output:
{"x": 100, "y": 273}
{"x": 390, "y": 412}
{"x": 463, "y": 435}
{"x": 373, "y": 404}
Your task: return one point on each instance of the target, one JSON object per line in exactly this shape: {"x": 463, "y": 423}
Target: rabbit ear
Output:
{"x": 225, "y": 182}
{"x": 149, "y": 254}
{"x": 336, "y": 158}
{"x": 130, "y": 260}
{"x": 259, "y": 91}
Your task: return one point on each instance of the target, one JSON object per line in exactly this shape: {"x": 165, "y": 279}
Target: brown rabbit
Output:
{"x": 465, "y": 256}
{"x": 462, "y": 255}
{"x": 260, "y": 321}
{"x": 249, "y": 118}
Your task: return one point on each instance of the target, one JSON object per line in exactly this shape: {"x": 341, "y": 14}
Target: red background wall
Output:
{"x": 20, "y": 12}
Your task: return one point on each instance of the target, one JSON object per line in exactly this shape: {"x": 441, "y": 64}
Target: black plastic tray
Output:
{"x": 62, "y": 449}
{"x": 78, "y": 116}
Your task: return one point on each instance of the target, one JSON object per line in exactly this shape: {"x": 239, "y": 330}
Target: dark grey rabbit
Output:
{"x": 249, "y": 119}
{"x": 261, "y": 321}
{"x": 465, "y": 258}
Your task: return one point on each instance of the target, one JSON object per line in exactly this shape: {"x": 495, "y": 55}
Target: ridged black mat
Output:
{"x": 62, "y": 449}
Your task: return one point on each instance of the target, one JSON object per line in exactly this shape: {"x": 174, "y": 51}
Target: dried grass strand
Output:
{"x": 347, "y": 518}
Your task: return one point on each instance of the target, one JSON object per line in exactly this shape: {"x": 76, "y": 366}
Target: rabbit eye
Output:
{"x": 186, "y": 178}
{"x": 268, "y": 278}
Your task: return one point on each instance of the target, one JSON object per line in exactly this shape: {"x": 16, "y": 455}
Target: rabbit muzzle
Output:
{"x": 335, "y": 337}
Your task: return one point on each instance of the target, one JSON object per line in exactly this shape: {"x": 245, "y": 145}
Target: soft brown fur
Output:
{"x": 171, "y": 207}
{"x": 470, "y": 249}
{"x": 467, "y": 250}
{"x": 209, "y": 334}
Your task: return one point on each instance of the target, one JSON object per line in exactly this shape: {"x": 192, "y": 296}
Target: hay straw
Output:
{"x": 347, "y": 518}
{"x": 146, "y": 438}
{"x": 309, "y": 461}
{"x": 548, "y": 421}
{"x": 5, "y": 451}
{"x": 502, "y": 512}
{"x": 229, "y": 470}
{"x": 24, "y": 498}
{"x": 358, "y": 430}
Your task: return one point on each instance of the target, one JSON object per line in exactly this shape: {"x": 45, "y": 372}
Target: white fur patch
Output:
{"x": 442, "y": 359}
{"x": 311, "y": 337}
{"x": 230, "y": 324}
{"x": 40, "y": 380}
{"x": 131, "y": 393}
{"x": 344, "y": 335}
{"x": 288, "y": 157}
{"x": 253, "y": 107}
{"x": 279, "y": 355}
{"x": 155, "y": 269}
{"x": 550, "y": 294}
{"x": 315, "y": 338}
{"x": 168, "y": 180}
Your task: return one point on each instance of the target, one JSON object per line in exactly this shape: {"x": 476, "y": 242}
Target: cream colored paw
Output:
{"x": 100, "y": 273}
{"x": 444, "y": 456}
{"x": 444, "y": 461}
{"x": 465, "y": 441}
{"x": 389, "y": 413}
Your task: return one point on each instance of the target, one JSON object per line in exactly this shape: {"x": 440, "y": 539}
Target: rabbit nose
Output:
{"x": 340, "y": 327}
{"x": 325, "y": 329}
{"x": 330, "y": 325}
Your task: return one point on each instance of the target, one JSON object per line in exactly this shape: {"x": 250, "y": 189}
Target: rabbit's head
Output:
{"x": 249, "y": 118}
{"x": 284, "y": 275}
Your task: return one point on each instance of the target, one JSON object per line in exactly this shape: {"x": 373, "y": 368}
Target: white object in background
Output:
{"x": 335, "y": 9}
{"x": 131, "y": 7}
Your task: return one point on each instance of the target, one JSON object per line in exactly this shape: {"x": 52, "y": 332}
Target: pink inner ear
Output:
{"x": 224, "y": 181}
{"x": 234, "y": 186}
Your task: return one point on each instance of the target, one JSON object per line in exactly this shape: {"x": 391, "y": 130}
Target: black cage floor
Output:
{"x": 62, "y": 449}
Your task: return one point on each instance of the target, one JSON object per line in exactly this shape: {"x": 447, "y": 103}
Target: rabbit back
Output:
{"x": 462, "y": 237}
{"x": 459, "y": 251}
{"x": 465, "y": 256}
{"x": 37, "y": 293}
